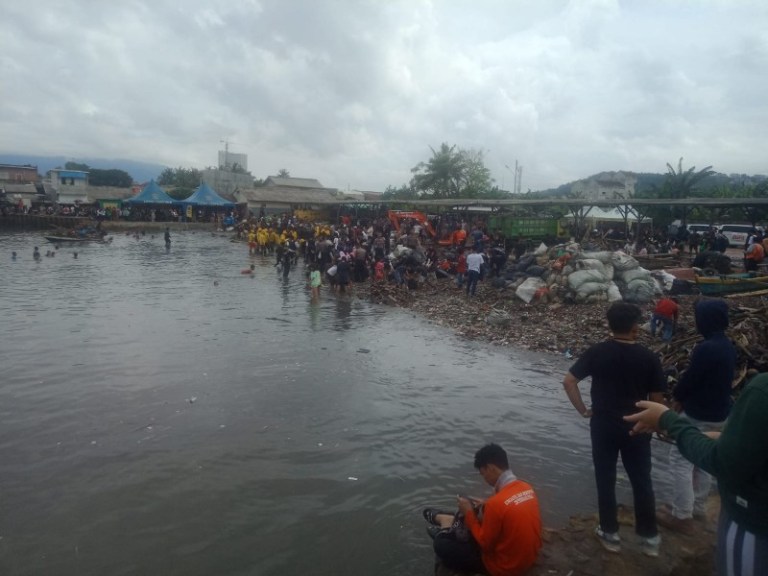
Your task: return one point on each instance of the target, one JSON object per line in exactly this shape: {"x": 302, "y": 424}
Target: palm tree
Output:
{"x": 680, "y": 184}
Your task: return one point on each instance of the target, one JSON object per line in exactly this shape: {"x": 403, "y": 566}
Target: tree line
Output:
{"x": 99, "y": 177}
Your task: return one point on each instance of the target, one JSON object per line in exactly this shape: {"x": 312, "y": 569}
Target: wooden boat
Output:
{"x": 731, "y": 284}
{"x": 72, "y": 239}
{"x": 658, "y": 261}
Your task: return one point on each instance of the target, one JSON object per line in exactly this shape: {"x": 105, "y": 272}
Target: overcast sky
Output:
{"x": 355, "y": 92}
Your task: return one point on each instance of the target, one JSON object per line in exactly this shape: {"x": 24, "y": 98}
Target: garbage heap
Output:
{"x": 568, "y": 274}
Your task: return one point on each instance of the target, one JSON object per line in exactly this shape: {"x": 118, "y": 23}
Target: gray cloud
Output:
{"x": 354, "y": 92}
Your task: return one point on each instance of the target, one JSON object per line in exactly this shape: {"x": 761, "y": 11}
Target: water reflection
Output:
{"x": 297, "y": 442}
{"x": 343, "y": 308}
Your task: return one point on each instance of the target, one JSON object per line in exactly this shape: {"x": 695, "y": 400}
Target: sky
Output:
{"x": 356, "y": 93}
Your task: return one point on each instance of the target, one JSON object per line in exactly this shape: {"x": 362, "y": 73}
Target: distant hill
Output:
{"x": 139, "y": 171}
{"x": 648, "y": 183}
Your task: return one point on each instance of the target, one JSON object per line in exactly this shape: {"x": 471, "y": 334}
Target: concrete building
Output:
{"x": 606, "y": 186}
{"x": 18, "y": 174}
{"x": 225, "y": 182}
{"x": 20, "y": 185}
{"x": 274, "y": 199}
{"x": 231, "y": 160}
{"x": 68, "y": 186}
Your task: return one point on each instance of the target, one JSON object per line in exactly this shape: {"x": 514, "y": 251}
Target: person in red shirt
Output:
{"x": 500, "y": 536}
{"x": 665, "y": 313}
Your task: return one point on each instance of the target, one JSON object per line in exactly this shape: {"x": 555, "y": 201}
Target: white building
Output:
{"x": 606, "y": 186}
{"x": 68, "y": 186}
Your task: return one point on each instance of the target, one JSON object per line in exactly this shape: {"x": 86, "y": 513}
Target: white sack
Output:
{"x": 527, "y": 289}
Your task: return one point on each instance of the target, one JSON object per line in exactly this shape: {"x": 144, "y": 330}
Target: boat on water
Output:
{"x": 73, "y": 239}
{"x": 731, "y": 284}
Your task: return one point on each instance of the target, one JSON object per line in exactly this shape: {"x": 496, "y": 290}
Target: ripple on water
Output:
{"x": 138, "y": 397}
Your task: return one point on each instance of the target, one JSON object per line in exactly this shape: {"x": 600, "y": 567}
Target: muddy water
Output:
{"x": 160, "y": 413}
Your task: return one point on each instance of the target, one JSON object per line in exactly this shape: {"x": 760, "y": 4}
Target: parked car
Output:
{"x": 736, "y": 233}
{"x": 700, "y": 228}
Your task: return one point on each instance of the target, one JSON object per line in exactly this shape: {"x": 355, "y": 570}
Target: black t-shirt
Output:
{"x": 622, "y": 374}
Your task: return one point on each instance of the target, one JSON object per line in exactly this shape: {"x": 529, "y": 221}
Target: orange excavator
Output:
{"x": 397, "y": 216}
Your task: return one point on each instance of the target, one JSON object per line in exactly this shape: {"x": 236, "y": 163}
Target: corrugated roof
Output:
{"x": 18, "y": 188}
{"x": 96, "y": 193}
{"x": 76, "y": 174}
{"x": 275, "y": 194}
{"x": 292, "y": 182}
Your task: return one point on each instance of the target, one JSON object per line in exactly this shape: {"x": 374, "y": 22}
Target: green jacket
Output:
{"x": 739, "y": 458}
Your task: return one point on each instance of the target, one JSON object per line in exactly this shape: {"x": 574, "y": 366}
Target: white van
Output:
{"x": 700, "y": 228}
{"x": 736, "y": 233}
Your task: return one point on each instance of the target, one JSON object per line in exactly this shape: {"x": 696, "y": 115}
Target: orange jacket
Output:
{"x": 510, "y": 532}
{"x": 755, "y": 252}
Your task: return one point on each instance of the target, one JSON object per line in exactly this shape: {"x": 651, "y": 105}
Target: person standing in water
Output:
{"x": 167, "y": 237}
{"x": 314, "y": 281}
{"x": 36, "y": 253}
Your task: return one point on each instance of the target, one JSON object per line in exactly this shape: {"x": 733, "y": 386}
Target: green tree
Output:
{"x": 98, "y": 177}
{"x": 183, "y": 181}
{"x": 76, "y": 166}
{"x": 756, "y": 214}
{"x": 111, "y": 177}
{"x": 716, "y": 214}
{"x": 679, "y": 184}
{"x": 451, "y": 173}
{"x": 402, "y": 193}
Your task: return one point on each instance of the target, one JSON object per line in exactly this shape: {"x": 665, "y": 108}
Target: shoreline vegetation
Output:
{"x": 497, "y": 317}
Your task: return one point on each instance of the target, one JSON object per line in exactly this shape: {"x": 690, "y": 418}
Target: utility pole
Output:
{"x": 518, "y": 178}
{"x": 226, "y": 152}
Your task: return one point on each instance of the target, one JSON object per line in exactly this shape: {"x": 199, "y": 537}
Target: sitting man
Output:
{"x": 500, "y": 536}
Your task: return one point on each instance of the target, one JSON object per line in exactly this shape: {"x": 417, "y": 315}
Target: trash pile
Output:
{"x": 566, "y": 273}
{"x": 748, "y": 330}
{"x": 571, "y": 289}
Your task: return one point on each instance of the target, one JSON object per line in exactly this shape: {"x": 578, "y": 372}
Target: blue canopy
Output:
{"x": 152, "y": 194}
{"x": 204, "y": 195}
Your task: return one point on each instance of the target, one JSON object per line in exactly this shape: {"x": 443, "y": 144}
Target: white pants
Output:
{"x": 690, "y": 485}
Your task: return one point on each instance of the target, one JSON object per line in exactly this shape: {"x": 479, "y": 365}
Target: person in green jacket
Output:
{"x": 738, "y": 458}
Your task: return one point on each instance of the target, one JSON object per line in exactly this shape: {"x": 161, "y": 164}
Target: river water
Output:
{"x": 160, "y": 413}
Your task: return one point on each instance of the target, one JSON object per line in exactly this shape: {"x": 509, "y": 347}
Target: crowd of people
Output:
{"x": 380, "y": 250}
{"x": 114, "y": 213}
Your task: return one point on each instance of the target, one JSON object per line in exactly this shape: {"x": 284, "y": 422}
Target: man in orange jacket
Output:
{"x": 754, "y": 254}
{"x": 505, "y": 529}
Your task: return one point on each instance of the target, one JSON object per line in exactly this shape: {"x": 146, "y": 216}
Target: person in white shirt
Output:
{"x": 474, "y": 262}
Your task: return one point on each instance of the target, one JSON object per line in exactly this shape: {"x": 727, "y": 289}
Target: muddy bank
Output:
{"x": 573, "y": 549}
{"x": 499, "y": 317}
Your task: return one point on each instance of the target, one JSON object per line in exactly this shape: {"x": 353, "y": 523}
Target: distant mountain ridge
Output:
{"x": 140, "y": 171}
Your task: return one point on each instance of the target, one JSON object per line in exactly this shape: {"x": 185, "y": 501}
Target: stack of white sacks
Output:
{"x": 609, "y": 276}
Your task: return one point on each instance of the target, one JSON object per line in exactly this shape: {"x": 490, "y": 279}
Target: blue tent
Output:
{"x": 206, "y": 196}
{"x": 152, "y": 194}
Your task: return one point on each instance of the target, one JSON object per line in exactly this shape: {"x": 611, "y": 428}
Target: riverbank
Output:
{"x": 498, "y": 317}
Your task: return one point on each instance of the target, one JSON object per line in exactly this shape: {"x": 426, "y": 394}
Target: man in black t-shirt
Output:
{"x": 623, "y": 372}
